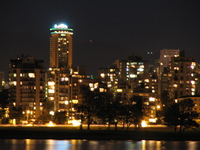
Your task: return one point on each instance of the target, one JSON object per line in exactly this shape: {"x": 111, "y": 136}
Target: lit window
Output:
{"x": 101, "y": 89}
{"x": 102, "y": 75}
{"x": 142, "y": 66}
{"x": 109, "y": 85}
{"x": 176, "y": 68}
{"x": 140, "y": 69}
{"x": 75, "y": 101}
{"x": 51, "y": 91}
{"x": 31, "y": 75}
{"x": 13, "y": 83}
{"x": 51, "y": 83}
{"x": 175, "y": 85}
{"x": 91, "y": 85}
{"x": 193, "y": 64}
{"x": 132, "y": 76}
{"x": 119, "y": 90}
{"x": 152, "y": 99}
{"x": 51, "y": 98}
{"x": 96, "y": 85}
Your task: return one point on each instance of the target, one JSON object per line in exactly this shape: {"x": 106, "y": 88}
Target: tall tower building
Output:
{"x": 61, "y": 46}
{"x": 63, "y": 80}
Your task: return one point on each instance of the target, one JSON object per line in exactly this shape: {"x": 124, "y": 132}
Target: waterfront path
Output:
{"x": 96, "y": 133}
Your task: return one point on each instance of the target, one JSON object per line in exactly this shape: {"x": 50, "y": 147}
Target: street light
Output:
{"x": 52, "y": 114}
{"x": 27, "y": 113}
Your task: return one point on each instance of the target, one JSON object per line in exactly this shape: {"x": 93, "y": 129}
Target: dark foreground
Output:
{"x": 65, "y": 133}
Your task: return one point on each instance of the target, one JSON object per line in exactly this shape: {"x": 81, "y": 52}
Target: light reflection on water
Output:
{"x": 31, "y": 144}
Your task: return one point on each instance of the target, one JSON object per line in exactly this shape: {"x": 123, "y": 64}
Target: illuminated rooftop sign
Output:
{"x": 61, "y": 26}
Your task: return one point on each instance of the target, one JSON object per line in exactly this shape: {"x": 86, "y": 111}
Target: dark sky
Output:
{"x": 117, "y": 28}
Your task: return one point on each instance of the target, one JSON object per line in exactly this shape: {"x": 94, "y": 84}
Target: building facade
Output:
{"x": 27, "y": 85}
{"x": 166, "y": 55}
{"x": 182, "y": 77}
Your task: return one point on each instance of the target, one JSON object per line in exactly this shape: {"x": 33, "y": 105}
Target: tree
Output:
{"x": 45, "y": 116}
{"x": 60, "y": 117}
{"x": 187, "y": 115}
{"x": 109, "y": 108}
{"x": 181, "y": 114}
{"x": 137, "y": 110}
{"x": 87, "y": 107}
{"x": 4, "y": 98}
{"x": 16, "y": 113}
{"x": 127, "y": 116}
{"x": 171, "y": 115}
{"x": 4, "y": 102}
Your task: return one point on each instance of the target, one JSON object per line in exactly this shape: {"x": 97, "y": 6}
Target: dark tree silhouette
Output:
{"x": 109, "y": 109}
{"x": 45, "y": 116}
{"x": 60, "y": 117}
{"x": 171, "y": 115}
{"x": 4, "y": 98}
{"x": 181, "y": 114}
{"x": 87, "y": 106}
{"x": 16, "y": 113}
{"x": 137, "y": 110}
{"x": 4, "y": 102}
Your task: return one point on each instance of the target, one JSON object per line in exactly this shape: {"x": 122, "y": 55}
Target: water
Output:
{"x": 31, "y": 144}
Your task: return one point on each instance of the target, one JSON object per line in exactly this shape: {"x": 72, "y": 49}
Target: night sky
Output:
{"x": 117, "y": 29}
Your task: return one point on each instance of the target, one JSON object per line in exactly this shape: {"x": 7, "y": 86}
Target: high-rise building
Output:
{"x": 27, "y": 85}
{"x": 166, "y": 55}
{"x": 61, "y": 46}
{"x": 60, "y": 71}
{"x": 182, "y": 77}
{"x": 162, "y": 69}
{"x": 63, "y": 80}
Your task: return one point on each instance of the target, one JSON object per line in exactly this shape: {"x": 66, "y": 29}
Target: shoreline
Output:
{"x": 65, "y": 133}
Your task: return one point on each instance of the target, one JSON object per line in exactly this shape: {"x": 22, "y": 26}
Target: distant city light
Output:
{"x": 149, "y": 53}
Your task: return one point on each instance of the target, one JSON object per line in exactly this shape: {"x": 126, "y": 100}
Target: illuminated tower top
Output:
{"x": 61, "y": 46}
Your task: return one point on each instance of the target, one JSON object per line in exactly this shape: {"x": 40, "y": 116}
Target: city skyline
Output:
{"x": 107, "y": 31}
